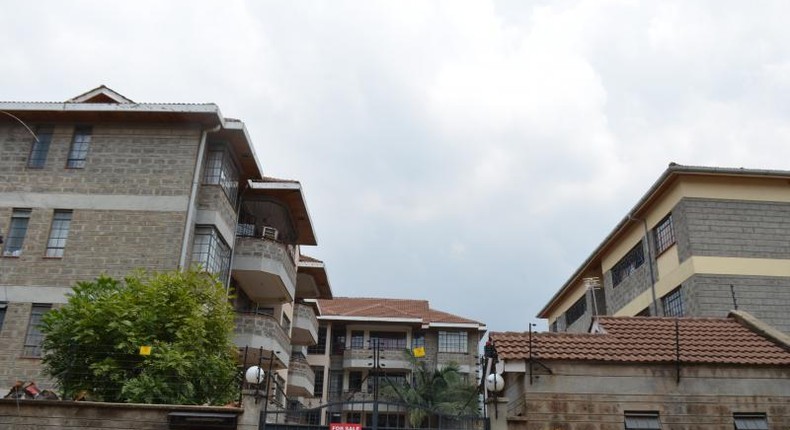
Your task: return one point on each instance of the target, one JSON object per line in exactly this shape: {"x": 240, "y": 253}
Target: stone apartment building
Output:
{"x": 701, "y": 242}
{"x": 650, "y": 373}
{"x": 349, "y": 327}
{"x": 109, "y": 185}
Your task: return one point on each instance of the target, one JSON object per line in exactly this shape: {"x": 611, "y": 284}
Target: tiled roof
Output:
{"x": 649, "y": 340}
{"x": 388, "y": 308}
{"x": 308, "y": 259}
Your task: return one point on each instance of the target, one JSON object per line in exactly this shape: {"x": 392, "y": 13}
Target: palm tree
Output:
{"x": 432, "y": 392}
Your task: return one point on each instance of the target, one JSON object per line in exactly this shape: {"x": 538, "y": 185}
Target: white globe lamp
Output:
{"x": 254, "y": 375}
{"x": 495, "y": 383}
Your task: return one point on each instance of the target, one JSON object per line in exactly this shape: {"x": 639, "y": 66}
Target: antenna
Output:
{"x": 734, "y": 300}
{"x": 591, "y": 284}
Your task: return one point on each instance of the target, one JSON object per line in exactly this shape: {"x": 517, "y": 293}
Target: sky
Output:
{"x": 469, "y": 153}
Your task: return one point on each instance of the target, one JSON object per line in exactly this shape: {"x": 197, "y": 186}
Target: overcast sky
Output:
{"x": 469, "y": 153}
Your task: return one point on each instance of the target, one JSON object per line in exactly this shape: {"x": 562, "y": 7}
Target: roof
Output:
{"x": 392, "y": 310}
{"x": 316, "y": 269}
{"x": 290, "y": 193}
{"x": 651, "y": 340}
{"x": 666, "y": 179}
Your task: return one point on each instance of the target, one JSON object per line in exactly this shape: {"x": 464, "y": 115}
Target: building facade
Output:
{"x": 701, "y": 242}
{"x": 100, "y": 184}
{"x": 349, "y": 330}
{"x": 645, "y": 373}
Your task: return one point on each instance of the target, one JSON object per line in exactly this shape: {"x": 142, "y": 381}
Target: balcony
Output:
{"x": 259, "y": 337}
{"x": 265, "y": 269}
{"x": 390, "y": 359}
{"x": 305, "y": 325}
{"x": 301, "y": 379}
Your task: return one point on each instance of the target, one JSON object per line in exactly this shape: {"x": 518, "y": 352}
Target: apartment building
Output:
{"x": 653, "y": 373}
{"x": 101, "y": 184}
{"x": 349, "y": 331}
{"x": 702, "y": 241}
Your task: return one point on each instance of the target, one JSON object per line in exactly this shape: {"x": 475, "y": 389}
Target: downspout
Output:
{"x": 193, "y": 195}
{"x": 649, "y": 262}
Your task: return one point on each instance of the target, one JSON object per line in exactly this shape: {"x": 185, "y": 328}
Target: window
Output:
{"x": 664, "y": 234}
{"x": 644, "y": 312}
{"x": 354, "y": 381}
{"x": 286, "y": 324}
{"x": 16, "y": 232}
{"x": 418, "y": 340}
{"x": 210, "y": 251}
{"x": 335, "y": 382}
{"x": 388, "y": 339}
{"x": 312, "y": 417}
{"x": 750, "y": 421}
{"x": 576, "y": 311}
{"x": 396, "y": 379}
{"x": 354, "y": 417}
{"x": 40, "y": 148}
{"x": 357, "y": 339}
{"x": 553, "y": 326}
{"x": 392, "y": 420}
{"x": 3, "y": 307}
{"x": 642, "y": 421}
{"x": 80, "y": 143}
{"x": 318, "y": 385}
{"x": 672, "y": 304}
{"x": 320, "y": 347}
{"x": 221, "y": 170}
{"x": 34, "y": 337}
{"x": 452, "y": 341}
{"x": 338, "y": 339}
{"x": 58, "y": 233}
{"x": 628, "y": 265}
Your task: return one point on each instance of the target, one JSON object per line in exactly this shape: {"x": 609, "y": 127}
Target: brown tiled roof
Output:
{"x": 388, "y": 308}
{"x": 649, "y": 340}
{"x": 308, "y": 259}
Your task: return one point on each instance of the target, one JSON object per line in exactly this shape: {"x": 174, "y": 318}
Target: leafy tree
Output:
{"x": 432, "y": 392}
{"x": 92, "y": 344}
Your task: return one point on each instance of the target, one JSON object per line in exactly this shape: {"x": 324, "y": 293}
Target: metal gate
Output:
{"x": 370, "y": 415}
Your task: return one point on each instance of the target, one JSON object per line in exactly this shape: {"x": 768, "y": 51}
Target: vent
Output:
{"x": 269, "y": 233}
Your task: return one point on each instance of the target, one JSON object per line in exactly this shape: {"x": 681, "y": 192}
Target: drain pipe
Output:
{"x": 201, "y": 155}
{"x": 649, "y": 262}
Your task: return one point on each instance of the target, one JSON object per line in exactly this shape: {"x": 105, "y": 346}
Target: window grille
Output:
{"x": 354, "y": 381}
{"x": 318, "y": 385}
{"x": 34, "y": 337}
{"x": 642, "y": 421}
{"x": 221, "y": 170}
{"x": 673, "y": 303}
{"x": 40, "y": 147}
{"x": 664, "y": 234}
{"x": 357, "y": 339}
{"x": 453, "y": 341}
{"x": 210, "y": 251}
{"x": 80, "y": 143}
{"x": 388, "y": 340}
{"x": 628, "y": 264}
{"x": 320, "y": 346}
{"x": 58, "y": 233}
{"x": 576, "y": 311}
{"x": 16, "y": 232}
{"x": 750, "y": 421}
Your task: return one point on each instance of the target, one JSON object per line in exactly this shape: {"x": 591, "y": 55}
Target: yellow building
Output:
{"x": 701, "y": 242}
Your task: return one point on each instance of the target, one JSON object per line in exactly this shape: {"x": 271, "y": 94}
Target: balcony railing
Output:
{"x": 262, "y": 333}
{"x": 389, "y": 358}
{"x": 305, "y": 325}
{"x": 264, "y": 268}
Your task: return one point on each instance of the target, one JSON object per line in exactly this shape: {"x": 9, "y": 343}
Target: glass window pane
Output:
{"x": 34, "y": 337}
{"x": 16, "y": 232}
{"x": 58, "y": 233}
{"x": 40, "y": 148}
{"x": 80, "y": 143}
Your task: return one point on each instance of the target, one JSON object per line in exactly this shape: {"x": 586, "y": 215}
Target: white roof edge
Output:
{"x": 239, "y": 125}
{"x": 284, "y": 185}
{"x": 311, "y": 264}
{"x": 112, "y": 107}
{"x": 369, "y": 319}
{"x": 314, "y": 302}
{"x": 456, "y": 325}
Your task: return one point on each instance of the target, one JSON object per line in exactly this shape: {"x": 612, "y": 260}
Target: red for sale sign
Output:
{"x": 345, "y": 426}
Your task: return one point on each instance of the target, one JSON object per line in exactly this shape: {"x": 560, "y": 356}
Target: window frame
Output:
{"x": 77, "y": 157}
{"x": 576, "y": 311}
{"x": 58, "y": 233}
{"x": 644, "y": 415}
{"x": 3, "y": 310}
{"x": 20, "y": 220}
{"x": 213, "y": 246}
{"x": 33, "y": 335}
{"x": 221, "y": 169}
{"x": 456, "y": 342}
{"x": 388, "y": 340}
{"x": 318, "y": 381}
{"x": 357, "y": 340}
{"x": 673, "y": 301}
{"x": 752, "y": 417}
{"x": 39, "y": 149}
{"x": 630, "y": 263}
{"x": 664, "y": 234}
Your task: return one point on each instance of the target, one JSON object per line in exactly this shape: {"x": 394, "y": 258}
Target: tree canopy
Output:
{"x": 434, "y": 391}
{"x": 93, "y": 343}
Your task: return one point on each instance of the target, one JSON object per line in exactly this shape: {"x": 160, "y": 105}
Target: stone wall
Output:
{"x": 41, "y": 414}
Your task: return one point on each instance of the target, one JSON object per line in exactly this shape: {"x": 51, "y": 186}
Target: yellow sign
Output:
{"x": 145, "y": 350}
{"x": 419, "y": 351}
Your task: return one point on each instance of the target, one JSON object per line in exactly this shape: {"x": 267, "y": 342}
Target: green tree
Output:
{"x": 432, "y": 392}
{"x": 92, "y": 344}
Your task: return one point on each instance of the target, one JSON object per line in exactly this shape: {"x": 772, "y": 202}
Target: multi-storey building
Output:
{"x": 701, "y": 242}
{"x": 351, "y": 328}
{"x": 101, "y": 184}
